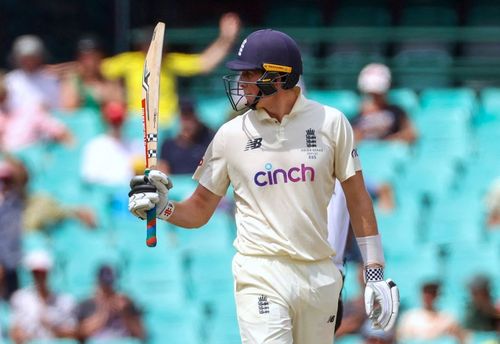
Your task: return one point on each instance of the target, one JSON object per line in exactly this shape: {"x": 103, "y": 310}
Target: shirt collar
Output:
{"x": 300, "y": 103}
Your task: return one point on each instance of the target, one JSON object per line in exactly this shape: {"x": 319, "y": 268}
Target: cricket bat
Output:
{"x": 150, "y": 100}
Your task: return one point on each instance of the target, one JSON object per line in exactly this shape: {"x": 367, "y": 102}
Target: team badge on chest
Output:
{"x": 311, "y": 141}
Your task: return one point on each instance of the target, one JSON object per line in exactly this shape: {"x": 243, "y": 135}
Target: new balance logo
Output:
{"x": 331, "y": 319}
{"x": 254, "y": 143}
{"x": 263, "y": 304}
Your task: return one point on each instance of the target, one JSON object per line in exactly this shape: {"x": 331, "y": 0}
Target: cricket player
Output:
{"x": 282, "y": 158}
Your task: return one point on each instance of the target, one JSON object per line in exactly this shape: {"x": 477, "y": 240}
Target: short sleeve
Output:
{"x": 212, "y": 171}
{"x": 346, "y": 158}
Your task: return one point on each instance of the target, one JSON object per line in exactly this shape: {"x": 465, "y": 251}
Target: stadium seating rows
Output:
{"x": 184, "y": 285}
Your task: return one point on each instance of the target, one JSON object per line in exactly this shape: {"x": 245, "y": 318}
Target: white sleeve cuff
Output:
{"x": 371, "y": 249}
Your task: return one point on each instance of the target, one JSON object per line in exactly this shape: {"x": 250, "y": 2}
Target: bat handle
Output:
{"x": 150, "y": 224}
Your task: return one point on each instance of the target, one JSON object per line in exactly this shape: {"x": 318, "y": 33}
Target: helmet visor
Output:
{"x": 238, "y": 94}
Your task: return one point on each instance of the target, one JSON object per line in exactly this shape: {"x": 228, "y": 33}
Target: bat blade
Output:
{"x": 150, "y": 104}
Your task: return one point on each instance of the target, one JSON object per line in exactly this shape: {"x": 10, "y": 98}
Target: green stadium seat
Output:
{"x": 405, "y": 98}
{"x": 489, "y": 106}
{"x": 440, "y": 340}
{"x": 217, "y": 234}
{"x": 455, "y": 219}
{"x": 83, "y": 123}
{"x": 214, "y": 111}
{"x": 412, "y": 268}
{"x": 463, "y": 262}
{"x": 382, "y": 160}
{"x": 127, "y": 340}
{"x": 79, "y": 267}
{"x": 359, "y": 15}
{"x": 293, "y": 15}
{"x": 443, "y": 132}
{"x": 184, "y": 185}
{"x": 210, "y": 276}
{"x": 428, "y": 16}
{"x": 422, "y": 67}
{"x": 430, "y": 177}
{"x": 461, "y": 98}
{"x": 483, "y": 15}
{"x": 224, "y": 330}
{"x": 155, "y": 277}
{"x": 175, "y": 325}
{"x": 345, "y": 100}
{"x": 350, "y": 339}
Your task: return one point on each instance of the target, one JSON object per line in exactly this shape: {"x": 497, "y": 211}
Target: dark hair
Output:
{"x": 431, "y": 287}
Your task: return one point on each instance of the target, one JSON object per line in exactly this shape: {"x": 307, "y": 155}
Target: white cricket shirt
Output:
{"x": 283, "y": 176}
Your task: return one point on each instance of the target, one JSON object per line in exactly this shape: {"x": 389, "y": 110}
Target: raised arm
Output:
{"x": 229, "y": 27}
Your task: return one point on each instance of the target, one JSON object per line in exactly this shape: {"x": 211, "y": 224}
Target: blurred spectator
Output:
{"x": 108, "y": 314}
{"x": 21, "y": 211}
{"x": 108, "y": 159}
{"x": 84, "y": 85}
{"x": 379, "y": 120}
{"x": 129, "y": 66}
{"x": 493, "y": 204}
{"x": 25, "y": 125}
{"x": 481, "y": 313}
{"x": 30, "y": 85}
{"x": 375, "y": 336}
{"x": 13, "y": 180}
{"x": 182, "y": 154}
{"x": 428, "y": 323}
{"x": 43, "y": 212}
{"x": 38, "y": 312}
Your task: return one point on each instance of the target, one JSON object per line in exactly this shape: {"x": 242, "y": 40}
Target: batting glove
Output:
{"x": 381, "y": 299}
{"x": 150, "y": 191}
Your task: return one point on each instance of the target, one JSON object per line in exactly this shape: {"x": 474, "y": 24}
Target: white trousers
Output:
{"x": 285, "y": 301}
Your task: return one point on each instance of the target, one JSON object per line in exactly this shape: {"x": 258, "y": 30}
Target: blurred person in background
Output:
{"x": 481, "y": 312}
{"x": 128, "y": 67}
{"x": 23, "y": 126}
{"x": 492, "y": 201}
{"x": 13, "y": 181}
{"x": 37, "y": 311}
{"x": 84, "y": 85}
{"x": 108, "y": 314}
{"x": 22, "y": 211}
{"x": 30, "y": 86}
{"x": 427, "y": 322}
{"x": 378, "y": 119}
{"x": 111, "y": 151}
{"x": 182, "y": 154}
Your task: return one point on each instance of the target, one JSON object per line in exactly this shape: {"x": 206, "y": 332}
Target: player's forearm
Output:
{"x": 360, "y": 206}
{"x": 187, "y": 214}
{"x": 214, "y": 54}
{"x": 196, "y": 210}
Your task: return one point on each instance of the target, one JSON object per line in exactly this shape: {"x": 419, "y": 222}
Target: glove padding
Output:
{"x": 382, "y": 303}
{"x": 147, "y": 192}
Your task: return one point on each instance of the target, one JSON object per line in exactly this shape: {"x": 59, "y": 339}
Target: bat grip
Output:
{"x": 150, "y": 224}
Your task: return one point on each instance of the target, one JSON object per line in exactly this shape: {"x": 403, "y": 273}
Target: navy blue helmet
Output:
{"x": 274, "y": 53}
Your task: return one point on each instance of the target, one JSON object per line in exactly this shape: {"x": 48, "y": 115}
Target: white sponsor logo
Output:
{"x": 242, "y": 46}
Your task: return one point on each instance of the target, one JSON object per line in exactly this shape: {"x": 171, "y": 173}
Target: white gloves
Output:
{"x": 148, "y": 192}
{"x": 381, "y": 299}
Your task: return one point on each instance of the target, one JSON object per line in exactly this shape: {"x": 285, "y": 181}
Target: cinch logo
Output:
{"x": 279, "y": 175}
